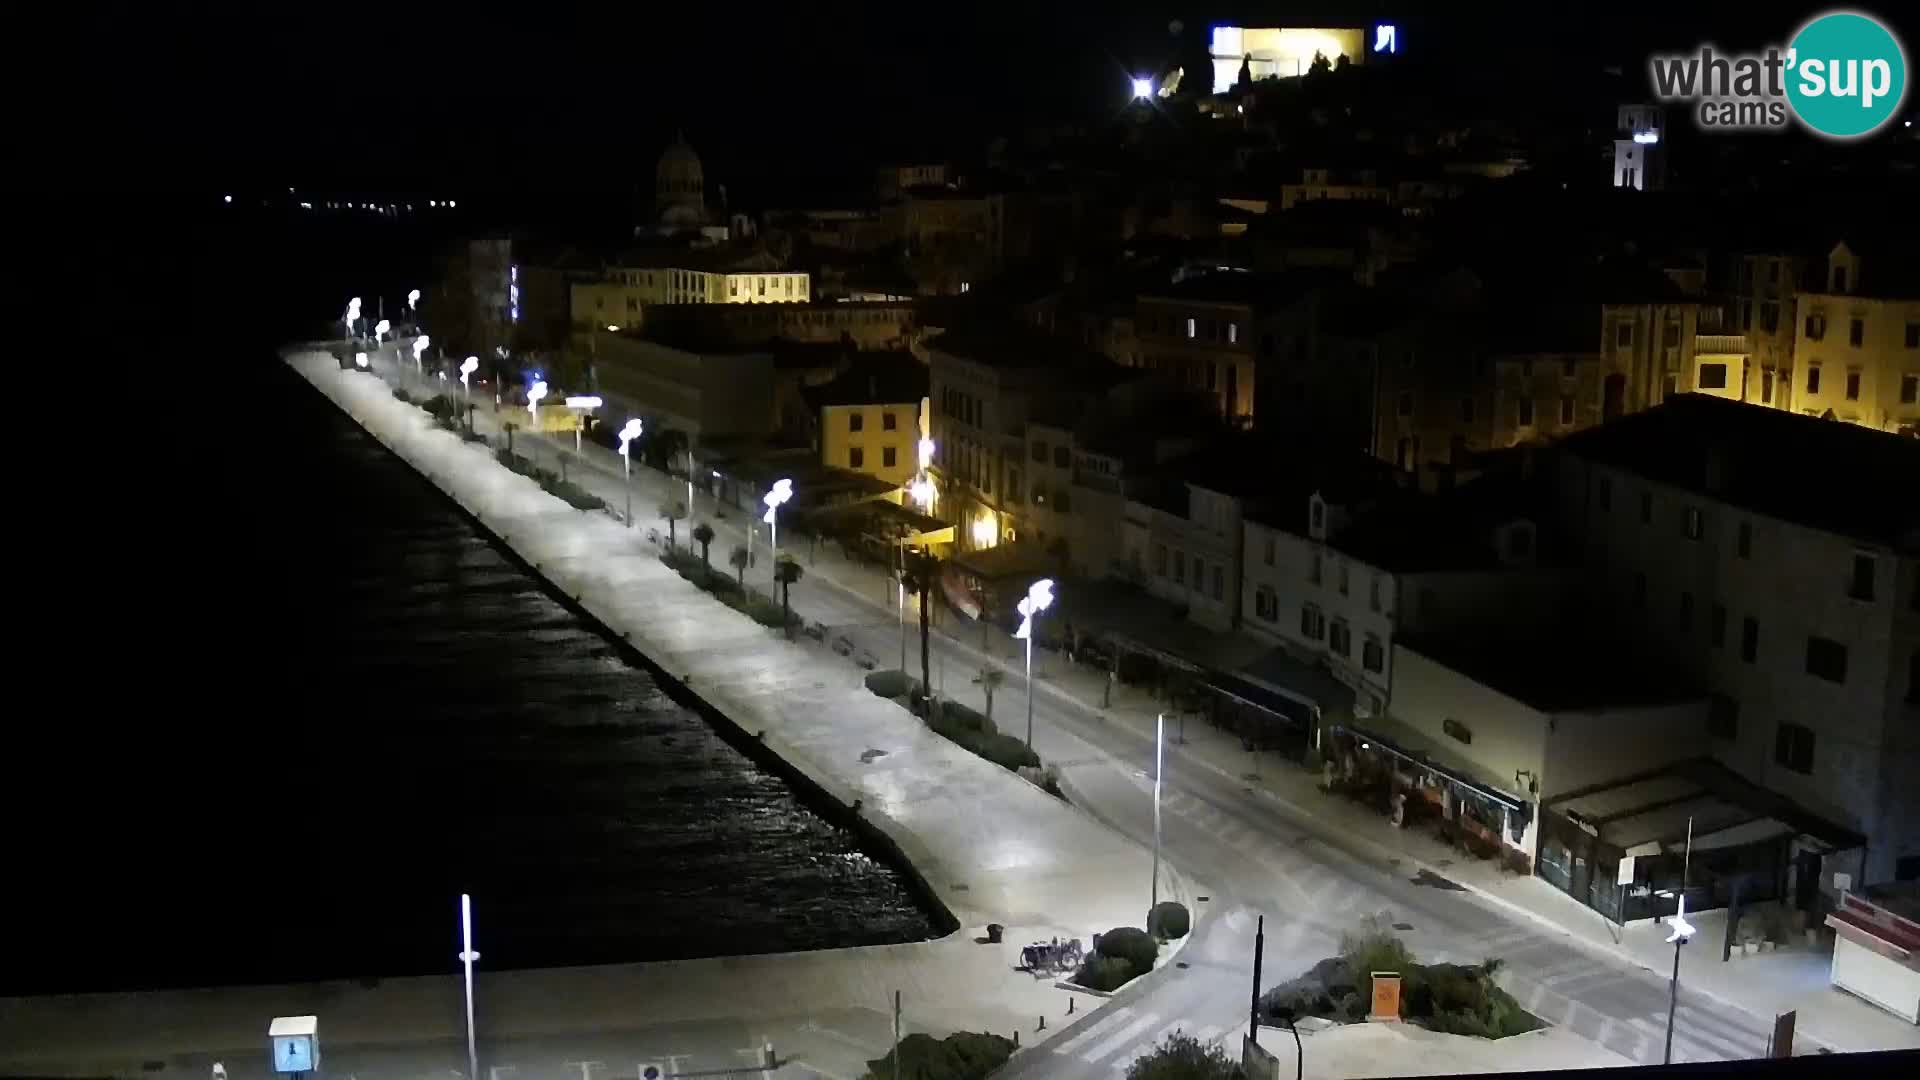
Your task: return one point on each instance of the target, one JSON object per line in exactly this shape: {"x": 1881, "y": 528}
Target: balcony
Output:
{"x": 1720, "y": 345}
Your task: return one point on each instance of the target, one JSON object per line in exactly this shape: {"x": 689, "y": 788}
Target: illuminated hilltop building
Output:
{"x": 1286, "y": 52}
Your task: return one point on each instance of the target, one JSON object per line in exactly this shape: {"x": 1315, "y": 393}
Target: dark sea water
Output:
{"x": 313, "y": 704}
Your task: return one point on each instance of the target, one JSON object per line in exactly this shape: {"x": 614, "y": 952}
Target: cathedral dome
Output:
{"x": 679, "y": 182}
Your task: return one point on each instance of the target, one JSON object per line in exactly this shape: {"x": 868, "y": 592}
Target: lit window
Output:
{"x": 1192, "y": 329}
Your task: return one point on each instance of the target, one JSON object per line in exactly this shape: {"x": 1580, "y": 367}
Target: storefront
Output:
{"x": 1622, "y": 848}
{"x": 1422, "y": 785}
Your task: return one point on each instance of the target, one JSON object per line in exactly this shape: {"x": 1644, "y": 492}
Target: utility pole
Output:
{"x": 896, "y": 1035}
{"x": 1682, "y": 930}
{"x": 1253, "y": 1009}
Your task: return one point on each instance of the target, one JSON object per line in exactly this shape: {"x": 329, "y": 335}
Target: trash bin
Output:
{"x": 994, "y": 930}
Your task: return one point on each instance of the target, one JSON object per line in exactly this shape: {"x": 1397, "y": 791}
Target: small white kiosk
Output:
{"x": 296, "y": 1044}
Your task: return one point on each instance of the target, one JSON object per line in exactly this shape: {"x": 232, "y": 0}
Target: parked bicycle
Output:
{"x": 1052, "y": 956}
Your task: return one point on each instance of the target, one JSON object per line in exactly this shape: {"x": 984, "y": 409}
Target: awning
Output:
{"x": 1410, "y": 746}
{"x": 1297, "y": 709}
{"x": 1651, "y": 811}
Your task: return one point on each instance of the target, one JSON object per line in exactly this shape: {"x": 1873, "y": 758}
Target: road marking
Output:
{"x": 1100, "y": 1027}
{"x": 1127, "y": 1035}
{"x": 1696, "y": 1045}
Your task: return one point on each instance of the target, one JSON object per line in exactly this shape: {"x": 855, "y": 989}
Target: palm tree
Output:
{"x": 787, "y": 572}
{"x": 990, "y": 679}
{"x": 510, "y": 426}
{"x": 919, "y": 571}
{"x": 738, "y": 560}
{"x": 703, "y": 535}
{"x": 673, "y": 512}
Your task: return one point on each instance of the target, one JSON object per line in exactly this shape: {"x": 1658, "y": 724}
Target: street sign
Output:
{"x": 296, "y": 1043}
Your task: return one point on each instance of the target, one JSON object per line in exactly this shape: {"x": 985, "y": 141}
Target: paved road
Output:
{"x": 1249, "y": 855}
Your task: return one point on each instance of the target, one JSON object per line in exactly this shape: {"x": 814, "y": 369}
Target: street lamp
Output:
{"x": 359, "y": 359}
{"x": 353, "y": 314}
{"x": 1682, "y": 930}
{"x": 627, "y": 434}
{"x": 413, "y": 302}
{"x": 581, "y": 405}
{"x": 921, "y": 489}
{"x": 467, "y": 367}
{"x": 420, "y": 346}
{"x": 1159, "y": 739}
{"x": 1038, "y": 599}
{"x": 380, "y": 329}
{"x": 467, "y": 957}
{"x": 1142, "y": 89}
{"x": 534, "y": 393}
{"x": 782, "y": 491}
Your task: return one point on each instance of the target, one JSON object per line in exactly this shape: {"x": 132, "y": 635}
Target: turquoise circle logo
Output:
{"x": 1847, "y": 75}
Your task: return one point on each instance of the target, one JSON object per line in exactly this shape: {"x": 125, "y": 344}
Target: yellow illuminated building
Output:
{"x": 1279, "y": 52}
{"x": 878, "y": 440}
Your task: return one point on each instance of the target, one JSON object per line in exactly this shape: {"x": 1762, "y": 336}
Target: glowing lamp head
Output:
{"x": 629, "y": 433}
{"x": 470, "y": 365}
{"x": 360, "y": 359}
{"x": 612, "y": 329}
{"x": 420, "y": 345}
{"x": 781, "y": 491}
{"x": 380, "y": 328}
{"x": 926, "y": 453}
{"x": 1646, "y": 138}
{"x": 1682, "y": 929}
{"x": 1038, "y": 599}
{"x": 413, "y": 298}
{"x": 535, "y": 392}
{"x": 1142, "y": 89}
{"x": 229, "y": 198}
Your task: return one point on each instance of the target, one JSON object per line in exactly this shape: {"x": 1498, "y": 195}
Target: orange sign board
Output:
{"x": 1386, "y": 996}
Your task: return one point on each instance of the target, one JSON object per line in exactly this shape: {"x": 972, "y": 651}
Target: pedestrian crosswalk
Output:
{"x": 1125, "y": 1034}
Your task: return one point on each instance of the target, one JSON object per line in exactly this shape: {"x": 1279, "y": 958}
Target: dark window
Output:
{"x": 1813, "y": 379}
{"x": 1769, "y": 315}
{"x": 1219, "y": 581}
{"x": 1457, "y": 729}
{"x": 1909, "y": 389}
{"x": 1568, "y": 367}
{"x": 1816, "y": 327}
{"x": 1686, "y": 612}
{"x": 1826, "y": 659}
{"x": 1766, "y": 387}
{"x": 1793, "y": 748}
{"x": 1405, "y": 406}
{"x": 1723, "y": 717}
{"x": 1313, "y": 624}
{"x": 1749, "y": 639}
{"x": 1853, "y": 386}
{"x": 1856, "y": 332}
{"x": 1160, "y": 560}
{"x": 1339, "y": 638}
{"x": 1640, "y": 589}
{"x": 1466, "y": 410}
{"x": 1743, "y": 540}
{"x": 1265, "y": 604}
{"x": 889, "y": 422}
{"x": 1690, "y": 523}
{"x": 888, "y": 455}
{"x": 1373, "y": 655}
{"x": 1713, "y": 376}
{"x": 1913, "y": 335}
{"x": 1040, "y": 452}
{"x": 1860, "y": 584}
{"x": 1670, "y": 336}
{"x": 1526, "y": 411}
{"x": 1717, "y": 629}
{"x": 856, "y": 421}
{"x": 1062, "y": 457}
{"x": 1646, "y": 507}
{"x": 1566, "y": 410}
{"x": 1623, "y": 335}
{"x": 856, "y": 457}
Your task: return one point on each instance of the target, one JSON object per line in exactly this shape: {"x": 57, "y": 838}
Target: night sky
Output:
{"x": 558, "y": 97}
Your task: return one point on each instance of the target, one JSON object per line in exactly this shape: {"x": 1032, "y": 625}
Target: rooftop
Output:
{"x": 1410, "y": 532}
{"x": 1005, "y": 344}
{"x": 1247, "y": 287}
{"x": 873, "y": 378}
{"x": 1553, "y": 670}
{"x": 1839, "y": 477}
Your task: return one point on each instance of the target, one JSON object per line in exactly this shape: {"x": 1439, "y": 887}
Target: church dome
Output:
{"x": 679, "y": 178}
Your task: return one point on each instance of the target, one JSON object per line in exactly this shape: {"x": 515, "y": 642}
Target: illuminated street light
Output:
{"x": 1682, "y": 930}
{"x": 1142, "y": 89}
{"x": 353, "y": 315}
{"x": 1159, "y": 738}
{"x": 380, "y": 329}
{"x": 420, "y": 346}
{"x": 360, "y": 359}
{"x": 413, "y": 296}
{"x": 1038, "y": 599}
{"x": 612, "y": 329}
{"x": 467, "y": 957}
{"x": 782, "y": 491}
{"x": 467, "y": 367}
{"x": 627, "y": 434}
{"x": 922, "y": 489}
{"x": 534, "y": 393}
{"x": 581, "y": 406}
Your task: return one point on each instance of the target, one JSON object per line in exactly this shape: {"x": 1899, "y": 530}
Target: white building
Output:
{"x": 1776, "y": 560}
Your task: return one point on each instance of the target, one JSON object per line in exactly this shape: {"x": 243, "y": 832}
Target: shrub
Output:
{"x": 1129, "y": 943}
{"x": 1169, "y": 920}
{"x": 963, "y": 1055}
{"x": 889, "y": 684}
{"x": 1108, "y": 973}
{"x": 1352, "y": 1008}
{"x": 1182, "y": 1057}
{"x": 1372, "y": 949}
{"x": 473, "y": 437}
{"x": 1004, "y": 750}
{"x": 970, "y": 719}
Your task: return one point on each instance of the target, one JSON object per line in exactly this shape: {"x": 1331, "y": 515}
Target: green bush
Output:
{"x": 890, "y": 683}
{"x": 970, "y": 719}
{"x": 473, "y": 437}
{"x": 1372, "y": 949}
{"x": 1130, "y": 943}
{"x": 1169, "y": 920}
{"x": 1180, "y": 1056}
{"x": 403, "y": 395}
{"x": 963, "y": 1055}
{"x": 1106, "y": 973}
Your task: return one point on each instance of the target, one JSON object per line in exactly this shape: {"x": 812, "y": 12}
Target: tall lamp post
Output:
{"x": 1038, "y": 599}
{"x": 1682, "y": 930}
{"x": 1159, "y": 737}
{"x": 782, "y": 491}
{"x": 352, "y": 316}
{"x": 627, "y": 434}
{"x": 467, "y": 957}
{"x": 413, "y": 305}
{"x": 467, "y": 367}
{"x": 420, "y": 347}
{"x": 534, "y": 393}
